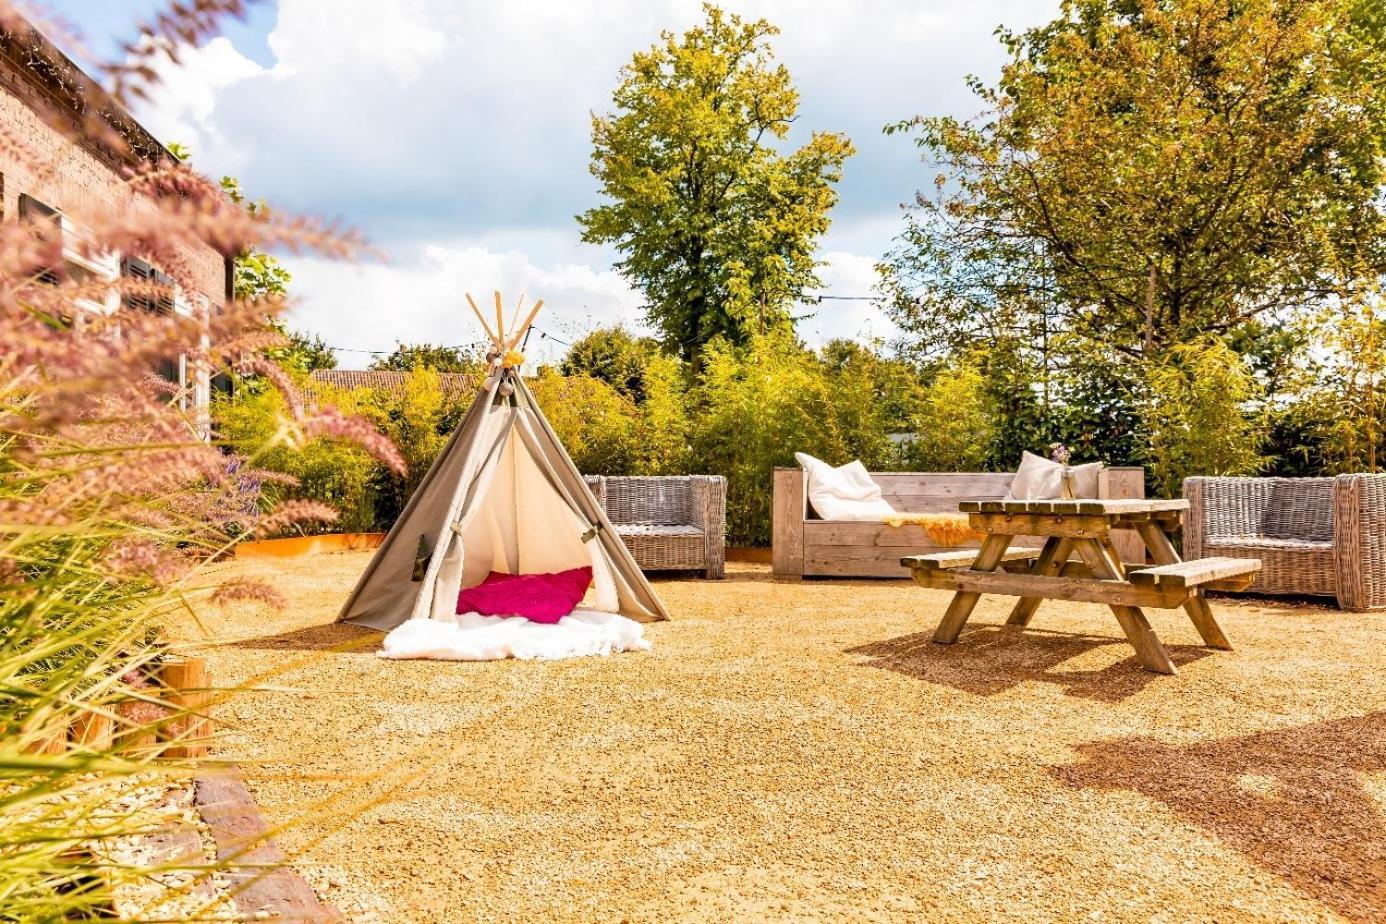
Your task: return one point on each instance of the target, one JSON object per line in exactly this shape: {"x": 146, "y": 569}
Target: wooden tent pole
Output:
{"x": 480, "y": 317}
{"x": 524, "y": 327}
{"x": 519, "y": 306}
{"x": 500, "y": 321}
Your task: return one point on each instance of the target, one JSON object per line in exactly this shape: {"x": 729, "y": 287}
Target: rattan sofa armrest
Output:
{"x": 709, "y": 508}
{"x": 1359, "y": 540}
{"x": 597, "y": 485}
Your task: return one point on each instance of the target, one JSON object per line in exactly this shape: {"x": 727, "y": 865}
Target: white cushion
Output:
{"x": 1039, "y": 478}
{"x": 844, "y": 493}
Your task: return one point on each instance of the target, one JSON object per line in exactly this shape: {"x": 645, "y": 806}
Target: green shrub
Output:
{"x": 757, "y": 406}
{"x": 1200, "y": 416}
{"x": 955, "y": 424}
{"x": 664, "y": 427}
{"x": 1346, "y": 404}
{"x": 332, "y": 471}
{"x": 596, "y": 424}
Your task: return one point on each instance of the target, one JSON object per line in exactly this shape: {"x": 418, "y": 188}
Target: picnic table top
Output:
{"x": 1083, "y": 506}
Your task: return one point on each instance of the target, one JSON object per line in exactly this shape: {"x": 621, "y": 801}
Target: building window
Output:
{"x": 172, "y": 369}
{"x": 81, "y": 264}
{"x": 48, "y": 225}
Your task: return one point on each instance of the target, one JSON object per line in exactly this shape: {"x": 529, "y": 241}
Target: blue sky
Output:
{"x": 455, "y": 135}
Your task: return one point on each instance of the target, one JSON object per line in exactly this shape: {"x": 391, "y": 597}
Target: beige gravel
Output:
{"x": 801, "y": 751}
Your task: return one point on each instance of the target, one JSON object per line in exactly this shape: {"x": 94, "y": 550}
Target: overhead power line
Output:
{"x": 545, "y": 335}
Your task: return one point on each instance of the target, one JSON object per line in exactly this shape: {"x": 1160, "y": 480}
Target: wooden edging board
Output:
{"x": 262, "y": 883}
{"x": 299, "y": 546}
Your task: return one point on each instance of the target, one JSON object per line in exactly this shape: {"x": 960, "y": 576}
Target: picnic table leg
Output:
{"x": 963, "y": 602}
{"x": 1149, "y": 651}
{"x": 1051, "y": 560}
{"x": 1200, "y": 613}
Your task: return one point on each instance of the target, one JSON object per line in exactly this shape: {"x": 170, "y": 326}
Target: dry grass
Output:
{"x": 800, "y": 751}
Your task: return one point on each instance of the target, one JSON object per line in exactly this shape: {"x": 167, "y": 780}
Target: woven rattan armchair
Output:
{"x": 669, "y": 523}
{"x": 1313, "y": 535}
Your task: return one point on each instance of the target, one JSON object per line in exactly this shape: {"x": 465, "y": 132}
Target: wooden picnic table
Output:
{"x": 1082, "y": 529}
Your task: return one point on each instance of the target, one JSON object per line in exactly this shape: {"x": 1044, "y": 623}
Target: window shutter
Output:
{"x": 164, "y": 300}
{"x": 135, "y": 268}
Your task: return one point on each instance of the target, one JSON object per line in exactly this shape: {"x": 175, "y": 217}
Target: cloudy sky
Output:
{"x": 455, "y": 135}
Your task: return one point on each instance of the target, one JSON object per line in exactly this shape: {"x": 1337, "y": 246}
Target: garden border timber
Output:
{"x": 805, "y": 547}
{"x": 328, "y": 543}
{"x": 298, "y": 546}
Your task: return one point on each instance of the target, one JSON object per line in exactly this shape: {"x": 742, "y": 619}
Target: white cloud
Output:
{"x": 322, "y": 42}
{"x": 455, "y": 134}
{"x": 188, "y": 95}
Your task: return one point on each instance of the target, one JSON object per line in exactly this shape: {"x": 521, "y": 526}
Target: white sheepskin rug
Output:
{"x": 473, "y": 637}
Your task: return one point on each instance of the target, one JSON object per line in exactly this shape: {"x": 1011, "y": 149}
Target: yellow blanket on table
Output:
{"x": 942, "y": 528}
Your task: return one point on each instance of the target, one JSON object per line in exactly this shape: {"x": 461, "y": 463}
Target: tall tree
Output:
{"x": 407, "y": 357}
{"x": 1149, "y": 171}
{"x": 614, "y": 355}
{"x": 714, "y": 224}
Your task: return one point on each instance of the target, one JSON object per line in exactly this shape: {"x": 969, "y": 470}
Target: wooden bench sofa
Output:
{"x": 804, "y": 546}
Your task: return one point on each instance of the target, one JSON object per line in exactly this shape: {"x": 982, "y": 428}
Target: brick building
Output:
{"x": 39, "y": 86}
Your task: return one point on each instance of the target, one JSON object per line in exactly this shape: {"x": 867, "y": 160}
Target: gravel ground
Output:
{"x": 801, "y": 752}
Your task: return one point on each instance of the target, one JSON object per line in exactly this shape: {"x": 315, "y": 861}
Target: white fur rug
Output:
{"x": 473, "y": 637}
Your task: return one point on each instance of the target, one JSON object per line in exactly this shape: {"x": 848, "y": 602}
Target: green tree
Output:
{"x": 438, "y": 358}
{"x": 714, "y": 224}
{"x": 1345, "y": 406}
{"x": 301, "y": 353}
{"x": 614, "y": 355}
{"x": 258, "y": 275}
{"x": 1148, "y": 171}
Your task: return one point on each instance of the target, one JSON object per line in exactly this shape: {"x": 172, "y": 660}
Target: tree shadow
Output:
{"x": 334, "y": 636}
{"x": 1293, "y": 801}
{"x": 987, "y": 660}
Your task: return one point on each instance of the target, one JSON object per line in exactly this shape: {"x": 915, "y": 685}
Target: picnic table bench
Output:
{"x": 1082, "y": 528}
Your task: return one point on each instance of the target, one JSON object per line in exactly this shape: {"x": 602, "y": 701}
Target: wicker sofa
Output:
{"x": 669, "y": 523}
{"x": 1322, "y": 536}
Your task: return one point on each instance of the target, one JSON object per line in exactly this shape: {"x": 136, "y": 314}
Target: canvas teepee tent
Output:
{"x": 502, "y": 496}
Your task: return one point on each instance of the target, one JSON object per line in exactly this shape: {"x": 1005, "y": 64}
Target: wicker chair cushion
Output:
{"x": 1270, "y": 544}
{"x": 1300, "y": 508}
{"x": 656, "y": 529}
{"x": 648, "y": 500}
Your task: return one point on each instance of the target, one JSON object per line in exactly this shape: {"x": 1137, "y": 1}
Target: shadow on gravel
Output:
{"x": 987, "y": 660}
{"x": 1294, "y": 801}
{"x": 334, "y": 636}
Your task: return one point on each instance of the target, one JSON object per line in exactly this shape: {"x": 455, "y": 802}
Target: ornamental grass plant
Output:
{"x": 114, "y": 498}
